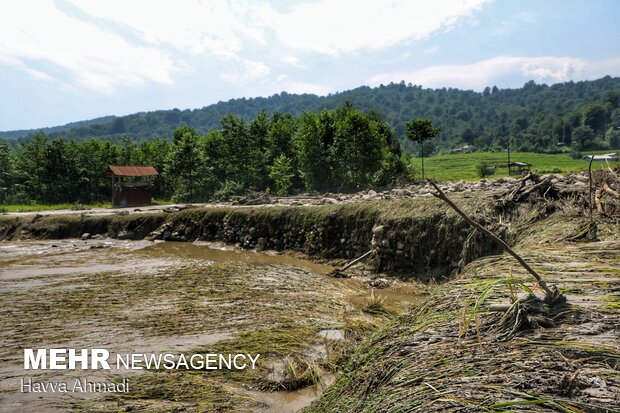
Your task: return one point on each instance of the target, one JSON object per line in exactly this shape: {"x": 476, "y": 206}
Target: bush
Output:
{"x": 227, "y": 190}
{"x": 410, "y": 169}
{"x": 483, "y": 169}
{"x": 576, "y": 155}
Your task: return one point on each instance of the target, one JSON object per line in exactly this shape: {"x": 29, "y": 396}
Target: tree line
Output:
{"x": 330, "y": 150}
{"x": 536, "y": 117}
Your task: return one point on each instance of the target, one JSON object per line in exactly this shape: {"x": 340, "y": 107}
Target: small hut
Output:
{"x": 517, "y": 168}
{"x": 131, "y": 185}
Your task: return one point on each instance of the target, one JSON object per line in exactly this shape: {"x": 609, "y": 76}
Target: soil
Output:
{"x": 139, "y": 296}
{"x": 388, "y": 349}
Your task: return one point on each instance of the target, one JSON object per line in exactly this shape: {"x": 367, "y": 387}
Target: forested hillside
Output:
{"x": 584, "y": 115}
{"x": 57, "y": 130}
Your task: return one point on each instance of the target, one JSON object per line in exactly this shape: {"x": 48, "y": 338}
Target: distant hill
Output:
{"x": 16, "y": 134}
{"x": 538, "y": 117}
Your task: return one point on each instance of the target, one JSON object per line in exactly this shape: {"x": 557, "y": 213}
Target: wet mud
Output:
{"x": 140, "y": 296}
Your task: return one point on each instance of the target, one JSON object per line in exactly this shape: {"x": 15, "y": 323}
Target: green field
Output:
{"x": 50, "y": 207}
{"x": 462, "y": 166}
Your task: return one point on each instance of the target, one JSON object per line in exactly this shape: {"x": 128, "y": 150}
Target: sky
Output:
{"x": 69, "y": 60}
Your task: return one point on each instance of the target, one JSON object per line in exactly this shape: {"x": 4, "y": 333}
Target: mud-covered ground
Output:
{"x": 450, "y": 352}
{"x": 143, "y": 297}
{"x": 455, "y": 353}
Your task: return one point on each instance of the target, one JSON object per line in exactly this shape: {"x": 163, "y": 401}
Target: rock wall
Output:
{"x": 423, "y": 243}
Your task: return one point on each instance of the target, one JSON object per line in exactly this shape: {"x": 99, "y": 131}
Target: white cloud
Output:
{"x": 36, "y": 36}
{"x": 192, "y": 26}
{"x": 303, "y": 87}
{"x": 548, "y": 69}
{"x": 251, "y": 71}
{"x": 349, "y": 26}
{"x": 106, "y": 46}
{"x": 292, "y": 61}
{"x": 432, "y": 50}
{"x": 510, "y": 24}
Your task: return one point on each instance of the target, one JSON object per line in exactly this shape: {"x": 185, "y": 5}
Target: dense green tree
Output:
{"x": 155, "y": 152}
{"x": 281, "y": 174}
{"x": 5, "y": 170}
{"x": 359, "y": 148}
{"x": 315, "y": 151}
{"x": 60, "y": 177}
{"x": 583, "y": 138}
{"x": 596, "y": 117}
{"x": 29, "y": 182}
{"x": 185, "y": 167}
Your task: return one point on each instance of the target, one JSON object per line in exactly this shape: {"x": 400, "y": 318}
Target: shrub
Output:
{"x": 483, "y": 169}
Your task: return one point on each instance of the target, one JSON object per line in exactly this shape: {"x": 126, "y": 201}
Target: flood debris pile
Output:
{"x": 485, "y": 341}
{"x": 457, "y": 353}
{"x": 607, "y": 192}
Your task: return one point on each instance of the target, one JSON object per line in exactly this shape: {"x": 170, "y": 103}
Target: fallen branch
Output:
{"x": 607, "y": 188}
{"x": 355, "y": 261}
{"x": 590, "y": 191}
{"x": 597, "y": 200}
{"x": 338, "y": 272}
{"x": 551, "y": 296}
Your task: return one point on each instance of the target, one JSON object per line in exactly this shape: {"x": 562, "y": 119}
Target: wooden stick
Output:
{"x": 597, "y": 200}
{"x": 494, "y": 237}
{"x": 355, "y": 261}
{"x": 607, "y": 188}
{"x": 590, "y": 194}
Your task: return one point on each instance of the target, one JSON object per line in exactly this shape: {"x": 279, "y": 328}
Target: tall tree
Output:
{"x": 314, "y": 146}
{"x": 5, "y": 170}
{"x": 419, "y": 131}
{"x": 184, "y": 166}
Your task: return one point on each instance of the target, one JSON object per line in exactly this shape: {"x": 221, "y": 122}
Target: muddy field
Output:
{"x": 437, "y": 346}
{"x": 139, "y": 296}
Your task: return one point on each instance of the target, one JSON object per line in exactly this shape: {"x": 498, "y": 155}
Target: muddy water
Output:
{"x": 223, "y": 253}
{"x": 135, "y": 297}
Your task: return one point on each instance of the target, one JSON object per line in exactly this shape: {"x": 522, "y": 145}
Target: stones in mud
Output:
{"x": 371, "y": 195}
{"x": 378, "y": 230}
{"x": 328, "y": 201}
{"x": 126, "y": 234}
{"x": 257, "y": 198}
{"x": 85, "y": 236}
{"x": 378, "y": 283}
{"x": 164, "y": 232}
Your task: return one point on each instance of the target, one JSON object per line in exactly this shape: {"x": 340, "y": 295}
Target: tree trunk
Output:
{"x": 440, "y": 194}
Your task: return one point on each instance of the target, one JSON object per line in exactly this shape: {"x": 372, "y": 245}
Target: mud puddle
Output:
{"x": 215, "y": 251}
{"x": 289, "y": 401}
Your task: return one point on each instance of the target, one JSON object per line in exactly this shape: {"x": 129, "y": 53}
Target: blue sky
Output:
{"x": 70, "y": 60}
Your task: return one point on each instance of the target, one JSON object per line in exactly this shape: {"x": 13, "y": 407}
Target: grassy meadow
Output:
{"x": 462, "y": 166}
{"x": 50, "y": 207}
